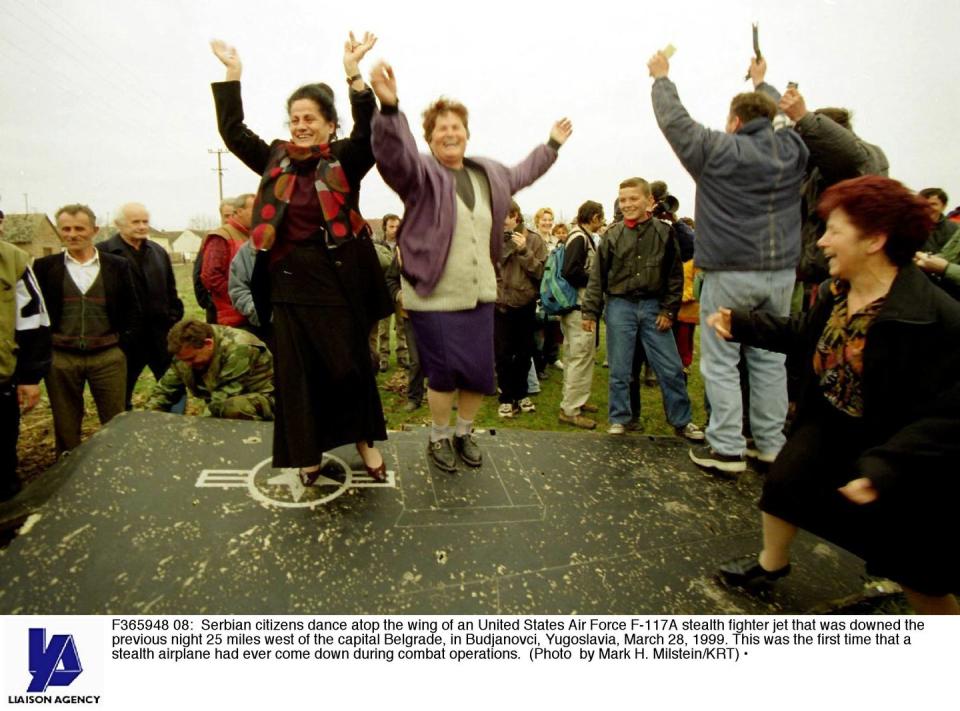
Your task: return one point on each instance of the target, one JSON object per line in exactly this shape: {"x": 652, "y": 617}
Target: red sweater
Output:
{"x": 218, "y": 250}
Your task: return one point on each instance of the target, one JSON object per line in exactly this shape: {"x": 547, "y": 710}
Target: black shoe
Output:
{"x": 746, "y": 572}
{"x": 706, "y": 457}
{"x": 308, "y": 476}
{"x": 410, "y": 406}
{"x": 442, "y": 455}
{"x": 468, "y": 449}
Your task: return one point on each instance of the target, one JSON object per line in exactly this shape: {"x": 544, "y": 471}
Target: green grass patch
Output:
{"x": 547, "y": 401}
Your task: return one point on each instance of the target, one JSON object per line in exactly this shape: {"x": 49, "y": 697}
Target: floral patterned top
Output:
{"x": 838, "y": 358}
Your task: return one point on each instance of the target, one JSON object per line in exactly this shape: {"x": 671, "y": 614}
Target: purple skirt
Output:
{"x": 456, "y": 348}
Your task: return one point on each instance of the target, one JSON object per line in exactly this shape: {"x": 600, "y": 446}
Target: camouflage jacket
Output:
{"x": 241, "y": 365}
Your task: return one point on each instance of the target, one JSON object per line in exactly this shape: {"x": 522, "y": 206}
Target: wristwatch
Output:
{"x": 352, "y": 79}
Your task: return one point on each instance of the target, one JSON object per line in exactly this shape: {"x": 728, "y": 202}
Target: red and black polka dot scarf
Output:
{"x": 343, "y": 223}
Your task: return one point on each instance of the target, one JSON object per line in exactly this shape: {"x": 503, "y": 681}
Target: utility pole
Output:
{"x": 26, "y": 203}
{"x": 219, "y": 168}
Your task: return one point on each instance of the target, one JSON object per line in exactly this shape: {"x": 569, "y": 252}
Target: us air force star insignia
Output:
{"x": 282, "y": 487}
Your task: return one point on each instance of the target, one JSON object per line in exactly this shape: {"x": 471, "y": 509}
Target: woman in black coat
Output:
{"x": 871, "y": 461}
{"x": 326, "y": 285}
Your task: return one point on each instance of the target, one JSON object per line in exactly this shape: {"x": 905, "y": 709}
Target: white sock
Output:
{"x": 464, "y": 427}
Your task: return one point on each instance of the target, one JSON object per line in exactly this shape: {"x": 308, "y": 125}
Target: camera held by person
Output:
{"x": 665, "y": 205}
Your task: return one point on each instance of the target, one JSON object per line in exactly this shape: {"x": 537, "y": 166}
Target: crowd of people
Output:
{"x": 828, "y": 291}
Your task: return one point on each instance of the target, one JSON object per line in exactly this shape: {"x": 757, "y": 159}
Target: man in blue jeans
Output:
{"x": 748, "y": 247}
{"x": 637, "y": 271}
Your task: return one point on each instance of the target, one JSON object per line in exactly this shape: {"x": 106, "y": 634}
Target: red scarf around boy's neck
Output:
{"x": 633, "y": 224}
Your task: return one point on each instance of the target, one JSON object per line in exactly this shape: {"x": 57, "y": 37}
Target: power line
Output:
{"x": 219, "y": 169}
{"x": 40, "y": 31}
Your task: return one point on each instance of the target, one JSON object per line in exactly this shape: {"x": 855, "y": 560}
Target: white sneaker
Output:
{"x": 558, "y": 364}
{"x": 506, "y": 410}
{"x": 690, "y": 432}
{"x": 616, "y": 429}
{"x": 765, "y": 457}
{"x": 526, "y": 405}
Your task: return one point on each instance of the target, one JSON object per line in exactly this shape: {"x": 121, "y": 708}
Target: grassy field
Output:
{"x": 392, "y": 385}
{"x": 36, "y": 449}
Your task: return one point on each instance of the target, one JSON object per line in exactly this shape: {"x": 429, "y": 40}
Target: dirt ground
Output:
{"x": 36, "y": 450}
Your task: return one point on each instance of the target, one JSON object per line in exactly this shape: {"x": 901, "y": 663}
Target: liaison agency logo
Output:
{"x": 58, "y": 663}
{"x": 54, "y": 664}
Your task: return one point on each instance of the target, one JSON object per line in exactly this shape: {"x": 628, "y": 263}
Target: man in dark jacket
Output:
{"x": 836, "y": 153}
{"x": 637, "y": 271}
{"x": 156, "y": 290}
{"x": 943, "y": 229}
{"x": 94, "y": 315}
{"x": 518, "y": 287}
{"x": 748, "y": 246}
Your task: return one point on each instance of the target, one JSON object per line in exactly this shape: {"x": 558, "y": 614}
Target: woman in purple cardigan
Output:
{"x": 450, "y": 244}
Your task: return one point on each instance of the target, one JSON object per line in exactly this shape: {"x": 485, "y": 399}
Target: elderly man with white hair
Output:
{"x": 156, "y": 290}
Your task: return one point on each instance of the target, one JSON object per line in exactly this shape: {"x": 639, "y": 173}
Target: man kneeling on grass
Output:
{"x": 229, "y": 369}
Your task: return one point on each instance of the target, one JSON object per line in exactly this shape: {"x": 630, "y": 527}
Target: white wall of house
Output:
{"x": 187, "y": 244}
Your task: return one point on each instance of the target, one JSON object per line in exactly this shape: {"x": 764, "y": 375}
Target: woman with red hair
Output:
{"x": 868, "y": 462}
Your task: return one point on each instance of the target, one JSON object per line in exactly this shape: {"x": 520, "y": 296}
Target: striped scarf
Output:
{"x": 343, "y": 223}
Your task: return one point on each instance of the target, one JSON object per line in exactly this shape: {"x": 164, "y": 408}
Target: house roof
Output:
{"x": 22, "y": 228}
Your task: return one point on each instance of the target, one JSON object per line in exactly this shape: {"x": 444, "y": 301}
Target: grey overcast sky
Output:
{"x": 106, "y": 102}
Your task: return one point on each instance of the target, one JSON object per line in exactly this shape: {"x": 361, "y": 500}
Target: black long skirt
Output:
{"x": 909, "y": 537}
{"x": 326, "y": 392}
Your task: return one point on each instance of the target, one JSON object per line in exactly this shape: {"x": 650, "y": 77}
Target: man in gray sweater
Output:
{"x": 748, "y": 246}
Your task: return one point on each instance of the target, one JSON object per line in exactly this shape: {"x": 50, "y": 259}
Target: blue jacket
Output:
{"x": 748, "y": 187}
{"x": 241, "y": 277}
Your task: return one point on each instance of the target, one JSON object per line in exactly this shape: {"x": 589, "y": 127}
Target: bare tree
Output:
{"x": 201, "y": 222}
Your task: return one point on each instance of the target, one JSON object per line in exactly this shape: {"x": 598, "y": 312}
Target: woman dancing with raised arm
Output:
{"x": 450, "y": 247}
{"x": 326, "y": 287}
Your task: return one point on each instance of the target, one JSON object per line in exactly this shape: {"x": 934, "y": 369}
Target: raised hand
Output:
{"x": 757, "y": 71}
{"x": 354, "y": 51}
{"x": 230, "y": 58}
{"x": 721, "y": 321}
{"x": 793, "y": 105}
{"x": 561, "y": 130}
{"x": 384, "y": 83}
{"x": 931, "y": 263}
{"x": 658, "y": 65}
